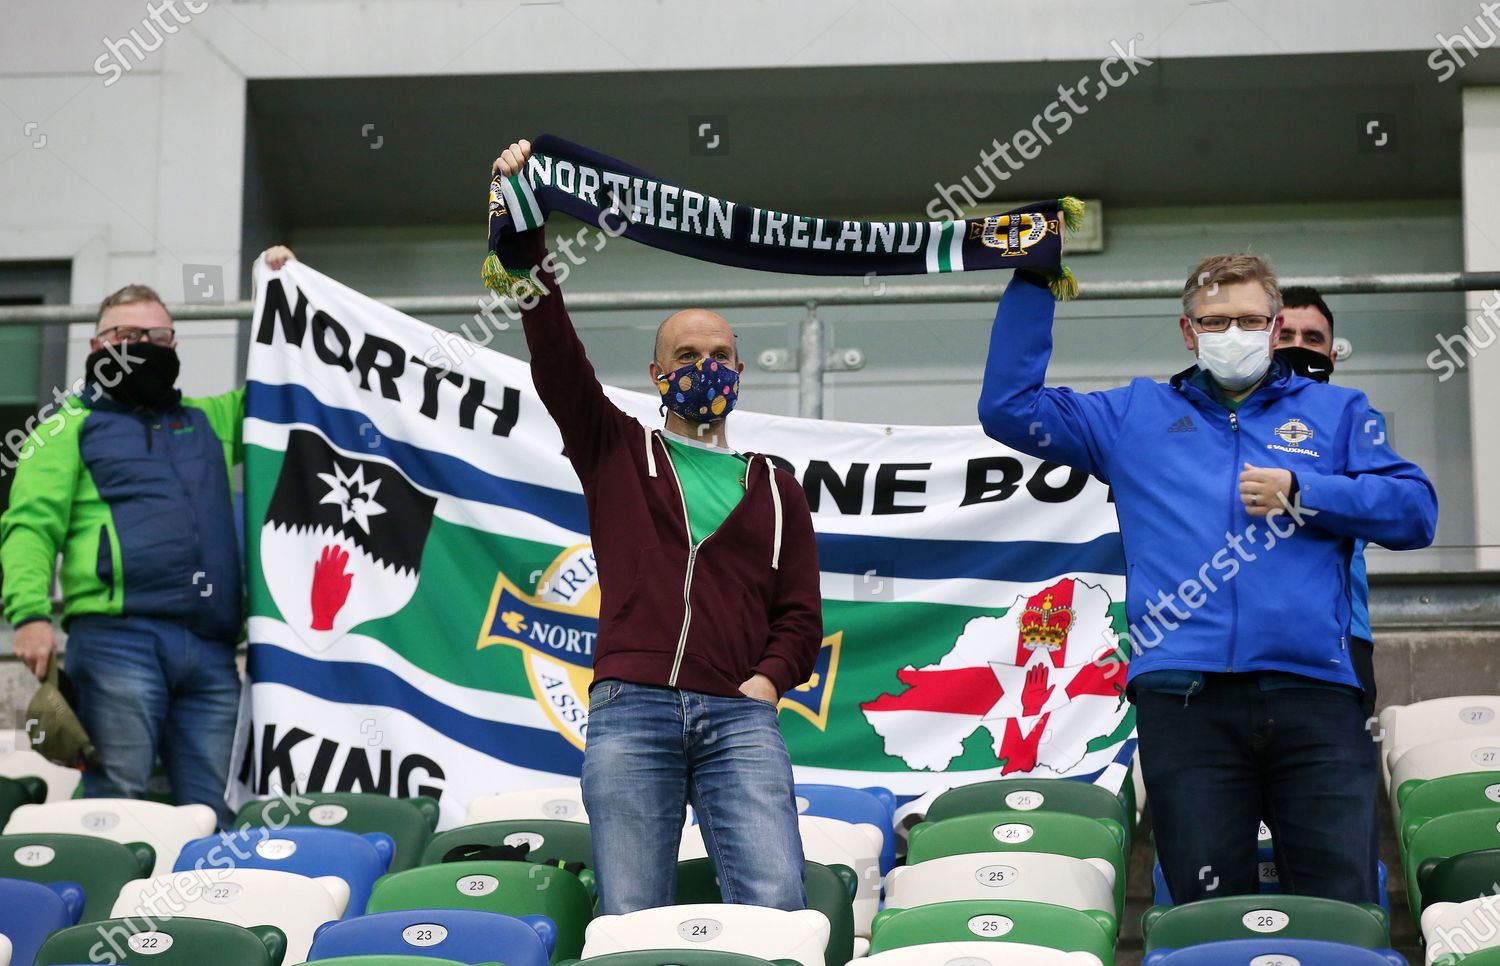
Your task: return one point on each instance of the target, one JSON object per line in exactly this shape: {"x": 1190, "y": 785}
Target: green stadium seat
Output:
{"x": 1459, "y": 878}
{"x": 1424, "y": 800}
{"x": 100, "y": 866}
{"x": 1057, "y": 833}
{"x": 1032, "y": 794}
{"x": 684, "y": 957}
{"x": 15, "y": 792}
{"x": 178, "y": 941}
{"x": 512, "y": 888}
{"x": 997, "y": 920}
{"x": 551, "y": 840}
{"x": 389, "y": 960}
{"x": 408, "y": 821}
{"x": 830, "y": 890}
{"x": 1484, "y": 957}
{"x": 1263, "y": 916}
{"x": 1443, "y": 836}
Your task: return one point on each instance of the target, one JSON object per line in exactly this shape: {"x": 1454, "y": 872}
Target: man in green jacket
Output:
{"x": 130, "y": 483}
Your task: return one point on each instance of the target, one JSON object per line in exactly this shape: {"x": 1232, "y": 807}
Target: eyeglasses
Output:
{"x": 130, "y": 335}
{"x": 1221, "y": 323}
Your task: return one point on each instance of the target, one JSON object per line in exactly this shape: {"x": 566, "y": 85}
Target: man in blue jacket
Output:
{"x": 1306, "y": 343}
{"x": 1241, "y": 488}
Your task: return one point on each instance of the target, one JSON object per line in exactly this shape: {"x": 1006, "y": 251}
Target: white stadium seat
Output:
{"x": 1459, "y": 928}
{"x": 295, "y": 904}
{"x": 750, "y": 930}
{"x": 1435, "y": 759}
{"x": 1404, "y": 725}
{"x": 17, "y": 760}
{"x": 1084, "y": 884}
{"x": 166, "y": 828}
{"x": 980, "y": 954}
{"x": 830, "y": 842}
{"x": 564, "y": 802}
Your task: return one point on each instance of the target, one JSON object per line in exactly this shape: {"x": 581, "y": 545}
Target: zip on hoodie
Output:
{"x": 1234, "y": 499}
{"x": 693, "y": 548}
{"x": 687, "y": 580}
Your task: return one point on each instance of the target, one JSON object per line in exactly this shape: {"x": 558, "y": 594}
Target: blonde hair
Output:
{"x": 1216, "y": 270}
{"x": 129, "y": 295}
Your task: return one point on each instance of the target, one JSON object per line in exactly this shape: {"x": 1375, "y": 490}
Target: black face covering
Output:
{"x": 141, "y": 375}
{"x": 1307, "y": 362}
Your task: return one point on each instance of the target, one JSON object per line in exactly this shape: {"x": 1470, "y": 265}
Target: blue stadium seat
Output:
{"x": 1252, "y": 952}
{"x": 30, "y": 912}
{"x": 873, "y": 806}
{"x": 357, "y": 859}
{"x": 466, "y": 935}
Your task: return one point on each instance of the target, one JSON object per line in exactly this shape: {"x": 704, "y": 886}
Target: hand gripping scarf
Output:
{"x": 623, "y": 200}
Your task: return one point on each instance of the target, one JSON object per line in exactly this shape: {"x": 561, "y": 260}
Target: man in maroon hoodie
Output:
{"x": 710, "y": 610}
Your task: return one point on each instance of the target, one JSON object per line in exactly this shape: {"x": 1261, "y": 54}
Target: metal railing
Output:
{"x": 812, "y": 363}
{"x": 887, "y": 293}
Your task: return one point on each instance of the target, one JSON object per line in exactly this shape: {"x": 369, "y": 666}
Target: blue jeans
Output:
{"x": 651, "y": 751}
{"x": 148, "y": 685}
{"x": 1219, "y": 760}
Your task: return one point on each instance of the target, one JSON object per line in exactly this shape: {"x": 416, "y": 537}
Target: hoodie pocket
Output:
{"x": 104, "y": 567}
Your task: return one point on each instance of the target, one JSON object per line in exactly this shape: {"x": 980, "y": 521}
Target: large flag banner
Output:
{"x": 424, "y": 600}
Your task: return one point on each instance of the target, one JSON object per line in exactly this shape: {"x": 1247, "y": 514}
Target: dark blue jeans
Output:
{"x": 651, "y": 751}
{"x": 147, "y": 685}
{"x": 1218, "y": 761}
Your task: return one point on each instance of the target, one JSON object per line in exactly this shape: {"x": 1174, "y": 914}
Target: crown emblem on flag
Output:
{"x": 1044, "y": 626}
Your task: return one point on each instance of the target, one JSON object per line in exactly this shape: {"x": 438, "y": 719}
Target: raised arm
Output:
{"x": 560, "y": 368}
{"x": 1077, "y": 429}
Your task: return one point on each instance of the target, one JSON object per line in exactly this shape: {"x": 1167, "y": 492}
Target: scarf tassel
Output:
{"x": 506, "y": 282}
{"x": 1072, "y": 212}
{"x": 1064, "y": 284}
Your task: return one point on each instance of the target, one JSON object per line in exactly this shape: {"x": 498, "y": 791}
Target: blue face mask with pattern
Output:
{"x": 700, "y": 392}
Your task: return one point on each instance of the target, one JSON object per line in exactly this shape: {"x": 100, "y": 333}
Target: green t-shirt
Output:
{"x": 712, "y": 483}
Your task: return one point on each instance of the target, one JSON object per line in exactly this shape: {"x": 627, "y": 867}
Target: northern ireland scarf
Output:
{"x": 624, "y": 200}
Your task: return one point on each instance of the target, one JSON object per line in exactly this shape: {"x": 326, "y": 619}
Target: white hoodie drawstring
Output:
{"x": 776, "y": 507}
{"x": 650, "y": 452}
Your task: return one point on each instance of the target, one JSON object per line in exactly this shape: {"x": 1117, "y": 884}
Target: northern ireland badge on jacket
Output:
{"x": 342, "y": 540}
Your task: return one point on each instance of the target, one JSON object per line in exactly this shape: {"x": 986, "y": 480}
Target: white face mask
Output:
{"x": 1234, "y": 357}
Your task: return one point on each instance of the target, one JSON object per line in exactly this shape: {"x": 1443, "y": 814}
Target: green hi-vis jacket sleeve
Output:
{"x": 34, "y": 528}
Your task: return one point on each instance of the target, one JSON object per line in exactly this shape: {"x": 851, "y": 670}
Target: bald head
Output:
{"x": 692, "y": 334}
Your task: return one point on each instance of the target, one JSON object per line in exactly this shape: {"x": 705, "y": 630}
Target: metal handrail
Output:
{"x": 886, "y": 292}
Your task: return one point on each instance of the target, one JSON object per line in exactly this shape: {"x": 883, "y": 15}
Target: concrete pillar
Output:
{"x": 1481, "y": 210}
